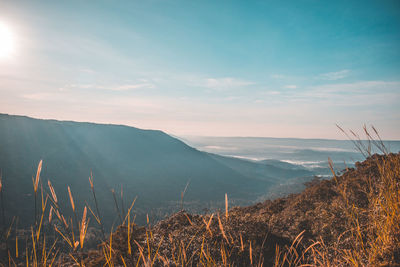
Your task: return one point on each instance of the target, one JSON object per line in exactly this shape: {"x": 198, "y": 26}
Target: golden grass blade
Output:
{"x": 41, "y": 221}
{"x": 277, "y": 256}
{"x": 53, "y": 193}
{"x": 39, "y": 169}
{"x": 241, "y": 243}
{"x": 7, "y": 235}
{"x": 222, "y": 229}
{"x": 183, "y": 251}
{"x": 209, "y": 223}
{"x": 223, "y": 254}
{"x": 72, "y": 231}
{"x": 64, "y": 221}
{"x": 226, "y": 206}
{"x": 84, "y": 217}
{"x": 186, "y": 187}
{"x": 129, "y": 236}
{"x": 72, "y": 257}
{"x": 34, "y": 247}
{"x": 106, "y": 257}
{"x": 50, "y": 213}
{"x": 94, "y": 215}
{"x": 49, "y": 253}
{"x": 330, "y": 162}
{"x": 129, "y": 210}
{"x": 82, "y": 233}
{"x": 305, "y": 251}
{"x": 16, "y": 246}
{"x": 148, "y": 246}
{"x": 187, "y": 217}
{"x": 251, "y": 254}
{"x": 44, "y": 251}
{"x": 11, "y": 260}
{"x": 158, "y": 248}
{"x": 54, "y": 257}
{"x": 299, "y": 236}
{"x": 183, "y": 193}
{"x": 71, "y": 199}
{"x": 64, "y": 237}
{"x": 91, "y": 180}
{"x": 123, "y": 261}
{"x": 58, "y": 214}
{"x": 140, "y": 252}
{"x": 41, "y": 194}
{"x": 111, "y": 238}
{"x": 205, "y": 223}
{"x": 27, "y": 255}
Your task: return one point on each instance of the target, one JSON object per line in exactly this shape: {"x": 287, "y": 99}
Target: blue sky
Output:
{"x": 216, "y": 68}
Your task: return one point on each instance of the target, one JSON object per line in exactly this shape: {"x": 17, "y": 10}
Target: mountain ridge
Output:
{"x": 145, "y": 162}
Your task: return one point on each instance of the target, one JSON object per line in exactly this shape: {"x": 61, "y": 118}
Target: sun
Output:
{"x": 6, "y": 41}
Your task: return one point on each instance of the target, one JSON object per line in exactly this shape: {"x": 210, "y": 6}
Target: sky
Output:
{"x": 205, "y": 68}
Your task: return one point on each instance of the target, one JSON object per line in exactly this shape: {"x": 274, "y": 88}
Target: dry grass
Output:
{"x": 372, "y": 237}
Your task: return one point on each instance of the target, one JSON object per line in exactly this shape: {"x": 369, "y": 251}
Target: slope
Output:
{"x": 149, "y": 164}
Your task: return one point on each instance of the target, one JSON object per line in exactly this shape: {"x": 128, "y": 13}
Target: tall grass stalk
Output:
{"x": 35, "y": 187}
{"x": 97, "y": 205}
{"x": 116, "y": 206}
{"x": 183, "y": 194}
{"x": 73, "y": 209}
{"x": 226, "y": 206}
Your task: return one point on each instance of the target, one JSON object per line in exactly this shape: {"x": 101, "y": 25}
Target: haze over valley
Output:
{"x": 155, "y": 167}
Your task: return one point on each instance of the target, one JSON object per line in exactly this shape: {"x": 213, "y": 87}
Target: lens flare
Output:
{"x": 6, "y": 41}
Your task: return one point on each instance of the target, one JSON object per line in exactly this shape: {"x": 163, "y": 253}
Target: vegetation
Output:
{"x": 145, "y": 162}
{"x": 351, "y": 220}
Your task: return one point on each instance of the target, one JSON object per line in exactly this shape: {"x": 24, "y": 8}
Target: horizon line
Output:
{"x": 184, "y": 135}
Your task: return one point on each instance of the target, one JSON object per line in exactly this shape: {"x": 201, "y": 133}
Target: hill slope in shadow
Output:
{"x": 342, "y": 214}
{"x": 149, "y": 164}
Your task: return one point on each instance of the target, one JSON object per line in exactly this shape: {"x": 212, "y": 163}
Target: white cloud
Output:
{"x": 225, "y": 83}
{"x": 376, "y": 87}
{"x": 127, "y": 87}
{"x": 118, "y": 87}
{"x": 81, "y": 86}
{"x": 278, "y": 76}
{"x": 231, "y": 98}
{"x": 291, "y": 86}
{"x": 87, "y": 70}
{"x": 333, "y": 76}
{"x": 271, "y": 93}
{"x": 365, "y": 93}
{"x": 37, "y": 96}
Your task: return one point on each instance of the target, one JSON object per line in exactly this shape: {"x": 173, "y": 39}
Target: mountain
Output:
{"x": 148, "y": 164}
{"x": 325, "y": 225}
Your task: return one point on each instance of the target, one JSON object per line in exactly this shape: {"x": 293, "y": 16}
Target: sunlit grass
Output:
{"x": 368, "y": 244}
{"x": 374, "y": 231}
